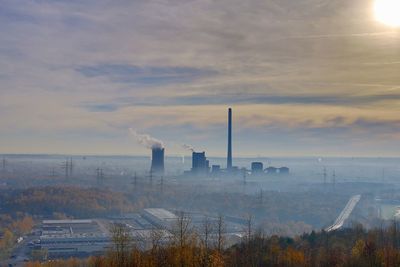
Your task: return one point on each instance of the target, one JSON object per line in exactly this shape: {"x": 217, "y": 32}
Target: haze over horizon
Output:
{"x": 310, "y": 77}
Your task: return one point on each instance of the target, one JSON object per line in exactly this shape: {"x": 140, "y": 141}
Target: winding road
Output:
{"x": 344, "y": 215}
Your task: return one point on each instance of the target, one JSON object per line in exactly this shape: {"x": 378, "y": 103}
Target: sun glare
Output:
{"x": 388, "y": 12}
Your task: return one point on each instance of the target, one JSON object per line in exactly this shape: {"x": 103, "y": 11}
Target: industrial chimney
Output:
{"x": 157, "y": 160}
{"x": 229, "y": 159}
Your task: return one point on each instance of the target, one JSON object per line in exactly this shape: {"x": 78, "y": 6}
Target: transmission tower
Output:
{"x": 135, "y": 179}
{"x": 162, "y": 183}
{"x": 99, "y": 176}
{"x": 3, "y": 172}
{"x": 70, "y": 166}
{"x": 151, "y": 177}
{"x": 53, "y": 172}
{"x": 65, "y": 167}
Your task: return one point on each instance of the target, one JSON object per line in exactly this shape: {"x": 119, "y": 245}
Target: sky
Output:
{"x": 304, "y": 77}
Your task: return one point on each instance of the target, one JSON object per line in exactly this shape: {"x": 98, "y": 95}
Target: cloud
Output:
{"x": 292, "y": 68}
{"x": 145, "y": 75}
{"x": 242, "y": 99}
{"x": 101, "y": 107}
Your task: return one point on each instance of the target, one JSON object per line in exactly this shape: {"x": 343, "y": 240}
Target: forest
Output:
{"x": 56, "y": 201}
{"x": 305, "y": 210}
{"x": 11, "y": 228}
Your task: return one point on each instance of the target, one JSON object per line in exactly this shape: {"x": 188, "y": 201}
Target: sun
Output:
{"x": 388, "y": 12}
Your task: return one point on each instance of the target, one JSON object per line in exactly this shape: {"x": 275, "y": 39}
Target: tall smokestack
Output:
{"x": 157, "y": 160}
{"x": 229, "y": 159}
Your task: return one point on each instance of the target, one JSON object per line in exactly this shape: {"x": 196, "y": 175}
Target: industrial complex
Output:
{"x": 82, "y": 238}
{"x": 64, "y": 238}
{"x": 201, "y": 165}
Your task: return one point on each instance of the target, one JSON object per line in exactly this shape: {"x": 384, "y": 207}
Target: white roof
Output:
{"x": 147, "y": 234}
{"x": 162, "y": 214}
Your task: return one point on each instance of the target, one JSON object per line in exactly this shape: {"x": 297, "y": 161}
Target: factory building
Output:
{"x": 157, "y": 160}
{"x": 160, "y": 217}
{"x": 83, "y": 238}
{"x": 257, "y": 167}
{"x": 200, "y": 164}
{"x": 274, "y": 170}
{"x": 72, "y": 238}
{"x": 271, "y": 170}
{"x": 283, "y": 170}
{"x": 215, "y": 169}
{"x": 144, "y": 238}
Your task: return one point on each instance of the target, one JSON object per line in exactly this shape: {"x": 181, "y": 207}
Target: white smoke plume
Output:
{"x": 188, "y": 147}
{"x": 147, "y": 140}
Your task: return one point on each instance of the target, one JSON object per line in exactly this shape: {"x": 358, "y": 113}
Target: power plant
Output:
{"x": 257, "y": 167}
{"x": 200, "y": 164}
{"x": 157, "y": 160}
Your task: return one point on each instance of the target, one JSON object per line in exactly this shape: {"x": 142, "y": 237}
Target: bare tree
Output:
{"x": 157, "y": 236}
{"x": 182, "y": 234}
{"x": 250, "y": 248}
{"x": 157, "y": 251}
{"x": 122, "y": 243}
{"x": 220, "y": 232}
{"x": 182, "y": 230}
{"x": 249, "y": 227}
{"x": 207, "y": 231}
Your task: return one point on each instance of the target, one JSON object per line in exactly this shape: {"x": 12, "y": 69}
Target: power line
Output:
{"x": 162, "y": 184}
{"x": 135, "y": 179}
{"x": 151, "y": 177}
{"x": 53, "y": 172}
{"x": 66, "y": 168}
{"x": 4, "y": 161}
{"x": 333, "y": 178}
{"x": 70, "y": 166}
{"x": 99, "y": 175}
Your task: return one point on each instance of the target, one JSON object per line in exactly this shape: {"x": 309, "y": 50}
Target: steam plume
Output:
{"x": 188, "y": 147}
{"x": 147, "y": 140}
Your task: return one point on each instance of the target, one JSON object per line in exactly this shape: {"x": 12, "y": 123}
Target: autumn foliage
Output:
{"x": 354, "y": 247}
{"x": 70, "y": 200}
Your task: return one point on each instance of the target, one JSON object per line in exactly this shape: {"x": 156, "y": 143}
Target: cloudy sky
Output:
{"x": 304, "y": 77}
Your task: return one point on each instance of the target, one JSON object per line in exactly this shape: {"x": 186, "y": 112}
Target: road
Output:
{"x": 344, "y": 215}
{"x": 20, "y": 253}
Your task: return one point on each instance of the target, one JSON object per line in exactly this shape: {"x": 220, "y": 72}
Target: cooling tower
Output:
{"x": 157, "y": 160}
